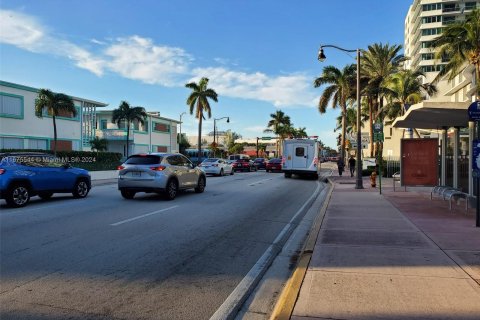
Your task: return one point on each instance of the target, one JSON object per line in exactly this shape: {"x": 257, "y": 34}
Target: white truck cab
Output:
{"x": 301, "y": 157}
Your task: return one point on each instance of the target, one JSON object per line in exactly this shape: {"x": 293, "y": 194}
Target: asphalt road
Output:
{"x": 104, "y": 257}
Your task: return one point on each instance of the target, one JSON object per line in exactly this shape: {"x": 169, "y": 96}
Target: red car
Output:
{"x": 274, "y": 164}
{"x": 243, "y": 165}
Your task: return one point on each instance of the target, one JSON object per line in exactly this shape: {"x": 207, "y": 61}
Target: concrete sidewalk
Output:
{"x": 398, "y": 255}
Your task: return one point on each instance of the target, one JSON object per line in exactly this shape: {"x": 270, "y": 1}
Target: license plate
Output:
{"x": 136, "y": 174}
{"x": 274, "y": 168}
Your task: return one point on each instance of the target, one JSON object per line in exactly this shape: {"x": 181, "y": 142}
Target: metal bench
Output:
{"x": 440, "y": 190}
{"x": 453, "y": 194}
{"x": 396, "y": 178}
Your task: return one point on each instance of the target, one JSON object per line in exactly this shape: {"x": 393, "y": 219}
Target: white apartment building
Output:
{"x": 20, "y": 128}
{"x": 445, "y": 114}
{"x": 157, "y": 134}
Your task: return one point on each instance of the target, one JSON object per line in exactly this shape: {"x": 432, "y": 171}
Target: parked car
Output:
{"x": 243, "y": 165}
{"x": 260, "y": 163}
{"x": 216, "y": 166}
{"x": 165, "y": 173}
{"x": 24, "y": 175}
{"x": 233, "y": 157}
{"x": 274, "y": 164}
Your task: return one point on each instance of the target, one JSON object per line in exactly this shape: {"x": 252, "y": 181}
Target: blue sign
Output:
{"x": 476, "y": 156}
{"x": 474, "y": 111}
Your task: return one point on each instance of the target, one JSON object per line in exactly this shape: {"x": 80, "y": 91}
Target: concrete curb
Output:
{"x": 286, "y": 302}
{"x": 230, "y": 308}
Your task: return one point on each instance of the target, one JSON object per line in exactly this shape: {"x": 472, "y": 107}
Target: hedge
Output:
{"x": 89, "y": 160}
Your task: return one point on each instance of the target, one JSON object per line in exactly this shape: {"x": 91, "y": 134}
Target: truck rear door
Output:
{"x": 300, "y": 156}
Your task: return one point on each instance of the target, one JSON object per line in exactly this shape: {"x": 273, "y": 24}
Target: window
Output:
{"x": 161, "y": 127}
{"x": 432, "y": 19}
{"x": 103, "y": 124}
{"x": 448, "y": 20}
{"x": 470, "y": 5}
{"x": 144, "y": 159}
{"x": 431, "y": 6}
{"x": 432, "y": 31}
{"x": 300, "y": 152}
{"x": 428, "y": 56}
{"x": 427, "y": 44}
{"x": 39, "y": 144}
{"x": 11, "y": 143}
{"x": 162, "y": 149}
{"x": 11, "y": 106}
{"x": 175, "y": 160}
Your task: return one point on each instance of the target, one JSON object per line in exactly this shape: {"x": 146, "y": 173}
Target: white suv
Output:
{"x": 165, "y": 173}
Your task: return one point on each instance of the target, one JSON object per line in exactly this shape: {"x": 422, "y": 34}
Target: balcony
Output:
{"x": 114, "y": 134}
{"x": 451, "y": 9}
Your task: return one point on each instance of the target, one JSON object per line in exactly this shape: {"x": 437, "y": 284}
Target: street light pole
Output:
{"x": 181, "y": 114}
{"x": 321, "y": 58}
{"x": 215, "y": 128}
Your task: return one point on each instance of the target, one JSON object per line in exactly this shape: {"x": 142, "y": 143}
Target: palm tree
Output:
{"x": 340, "y": 92}
{"x": 99, "y": 144}
{"x": 54, "y": 104}
{"x": 404, "y": 88}
{"x": 128, "y": 114}
{"x": 277, "y": 124}
{"x": 378, "y": 62}
{"x": 198, "y": 101}
{"x": 460, "y": 43}
{"x": 301, "y": 132}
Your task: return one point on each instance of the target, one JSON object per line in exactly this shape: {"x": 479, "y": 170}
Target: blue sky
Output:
{"x": 260, "y": 56}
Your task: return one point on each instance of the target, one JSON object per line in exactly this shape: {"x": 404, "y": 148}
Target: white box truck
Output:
{"x": 301, "y": 157}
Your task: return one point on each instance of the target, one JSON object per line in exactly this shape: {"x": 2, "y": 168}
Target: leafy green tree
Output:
{"x": 99, "y": 144}
{"x": 126, "y": 113}
{"x": 183, "y": 143}
{"x": 460, "y": 43}
{"x": 340, "y": 92}
{"x": 198, "y": 102}
{"x": 54, "y": 104}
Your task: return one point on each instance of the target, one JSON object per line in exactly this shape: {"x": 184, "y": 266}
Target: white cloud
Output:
{"x": 281, "y": 91}
{"x": 27, "y": 33}
{"x": 140, "y": 59}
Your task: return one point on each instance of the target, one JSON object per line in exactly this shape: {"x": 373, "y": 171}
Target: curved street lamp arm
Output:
{"x": 332, "y": 46}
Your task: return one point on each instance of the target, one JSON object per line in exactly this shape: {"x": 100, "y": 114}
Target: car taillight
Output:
{"x": 159, "y": 168}
{"x": 120, "y": 167}
{"x": 2, "y": 171}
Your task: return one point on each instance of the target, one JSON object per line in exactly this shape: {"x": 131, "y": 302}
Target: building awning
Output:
{"x": 434, "y": 115}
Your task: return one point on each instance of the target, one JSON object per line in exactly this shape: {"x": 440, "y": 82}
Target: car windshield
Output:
{"x": 144, "y": 159}
{"x": 259, "y": 160}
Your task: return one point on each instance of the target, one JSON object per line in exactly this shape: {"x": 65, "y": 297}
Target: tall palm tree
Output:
{"x": 340, "y": 92}
{"x": 378, "y": 62}
{"x": 198, "y": 101}
{"x": 54, "y": 104}
{"x": 301, "y": 132}
{"x": 278, "y": 124}
{"x": 128, "y": 114}
{"x": 404, "y": 88}
{"x": 460, "y": 43}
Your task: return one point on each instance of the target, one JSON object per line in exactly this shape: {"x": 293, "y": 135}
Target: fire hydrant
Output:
{"x": 373, "y": 179}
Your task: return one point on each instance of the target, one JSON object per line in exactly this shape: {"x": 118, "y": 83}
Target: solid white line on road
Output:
{"x": 235, "y": 300}
{"x": 253, "y": 183}
{"x": 142, "y": 216}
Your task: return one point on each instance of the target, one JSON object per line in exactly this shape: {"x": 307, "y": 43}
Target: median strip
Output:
{"x": 142, "y": 216}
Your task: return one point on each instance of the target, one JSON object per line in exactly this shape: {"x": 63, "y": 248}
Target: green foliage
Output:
{"x": 89, "y": 160}
{"x": 99, "y": 144}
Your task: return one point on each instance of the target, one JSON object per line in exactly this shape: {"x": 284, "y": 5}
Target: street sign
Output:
{"x": 267, "y": 138}
{"x": 378, "y": 137}
{"x": 474, "y": 111}
{"x": 378, "y": 127}
{"x": 476, "y": 157}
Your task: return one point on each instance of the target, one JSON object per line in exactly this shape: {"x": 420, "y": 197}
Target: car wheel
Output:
{"x": 127, "y": 194}
{"x": 288, "y": 175}
{"x": 45, "y": 195}
{"x": 80, "y": 190}
{"x": 200, "y": 185}
{"x": 232, "y": 172}
{"x": 221, "y": 174}
{"x": 18, "y": 196}
{"x": 172, "y": 189}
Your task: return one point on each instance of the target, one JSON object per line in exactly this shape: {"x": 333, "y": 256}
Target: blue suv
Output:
{"x": 24, "y": 175}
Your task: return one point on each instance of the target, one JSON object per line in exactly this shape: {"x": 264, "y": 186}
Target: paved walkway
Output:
{"x": 398, "y": 255}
